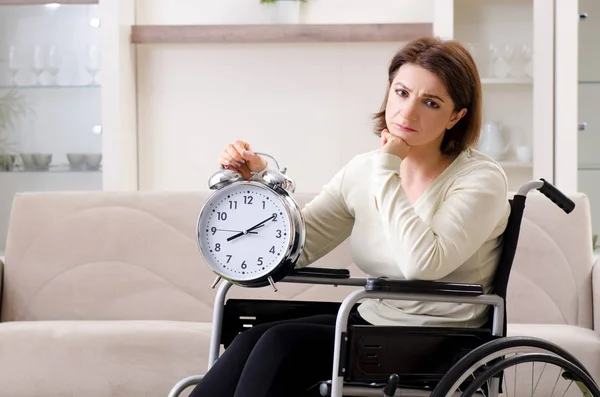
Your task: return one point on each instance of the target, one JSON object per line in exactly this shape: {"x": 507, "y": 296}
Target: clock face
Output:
{"x": 244, "y": 231}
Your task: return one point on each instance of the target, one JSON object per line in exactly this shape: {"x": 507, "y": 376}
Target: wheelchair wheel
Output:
{"x": 471, "y": 368}
{"x": 584, "y": 385}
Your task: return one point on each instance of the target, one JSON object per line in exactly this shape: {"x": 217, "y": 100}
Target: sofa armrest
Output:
{"x": 596, "y": 291}
{"x": 1, "y": 281}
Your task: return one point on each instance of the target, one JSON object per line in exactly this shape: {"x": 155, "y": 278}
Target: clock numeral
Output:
{"x": 248, "y": 199}
{"x": 274, "y": 217}
{"x": 228, "y": 258}
{"x": 217, "y": 247}
{"x": 233, "y": 205}
{"x": 264, "y": 204}
{"x": 222, "y": 216}
{"x": 244, "y": 265}
{"x": 260, "y": 261}
{"x": 278, "y": 235}
{"x": 272, "y": 250}
{"x": 213, "y": 230}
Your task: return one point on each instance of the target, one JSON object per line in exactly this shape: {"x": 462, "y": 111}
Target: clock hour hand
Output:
{"x": 240, "y": 234}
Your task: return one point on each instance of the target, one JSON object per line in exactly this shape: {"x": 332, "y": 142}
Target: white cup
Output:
{"x": 524, "y": 154}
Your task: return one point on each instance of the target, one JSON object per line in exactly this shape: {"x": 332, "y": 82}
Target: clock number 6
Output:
{"x": 244, "y": 265}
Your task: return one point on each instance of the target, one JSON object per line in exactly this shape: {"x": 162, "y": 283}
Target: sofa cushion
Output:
{"x": 581, "y": 342}
{"x": 551, "y": 279}
{"x": 119, "y": 256}
{"x": 107, "y": 358}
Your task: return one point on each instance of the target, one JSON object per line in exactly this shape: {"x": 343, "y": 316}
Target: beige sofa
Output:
{"x": 105, "y": 293}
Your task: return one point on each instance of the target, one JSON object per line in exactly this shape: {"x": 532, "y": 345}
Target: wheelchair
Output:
{"x": 417, "y": 361}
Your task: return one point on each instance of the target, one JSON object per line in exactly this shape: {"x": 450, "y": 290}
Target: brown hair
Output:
{"x": 453, "y": 64}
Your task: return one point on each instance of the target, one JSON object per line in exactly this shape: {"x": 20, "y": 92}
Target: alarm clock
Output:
{"x": 251, "y": 232}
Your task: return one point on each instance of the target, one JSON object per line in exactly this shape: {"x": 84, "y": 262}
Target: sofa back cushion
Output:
{"x": 134, "y": 255}
{"x": 119, "y": 255}
{"x": 550, "y": 282}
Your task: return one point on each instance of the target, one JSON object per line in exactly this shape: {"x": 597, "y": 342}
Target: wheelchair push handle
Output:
{"x": 548, "y": 190}
{"x": 558, "y": 197}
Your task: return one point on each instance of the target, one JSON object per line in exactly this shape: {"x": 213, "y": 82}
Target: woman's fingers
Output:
{"x": 239, "y": 156}
{"x": 235, "y": 157}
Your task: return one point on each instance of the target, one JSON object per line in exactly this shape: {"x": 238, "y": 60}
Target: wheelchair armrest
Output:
{"x": 321, "y": 272}
{"x": 423, "y": 287}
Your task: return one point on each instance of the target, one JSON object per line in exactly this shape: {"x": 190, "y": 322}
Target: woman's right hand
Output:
{"x": 240, "y": 157}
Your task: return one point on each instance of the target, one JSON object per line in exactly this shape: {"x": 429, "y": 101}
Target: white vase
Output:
{"x": 225, "y": 12}
{"x": 283, "y": 11}
{"x": 367, "y": 11}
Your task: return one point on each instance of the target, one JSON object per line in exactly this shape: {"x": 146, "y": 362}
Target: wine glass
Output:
{"x": 13, "y": 64}
{"x": 53, "y": 65}
{"x": 92, "y": 63}
{"x": 38, "y": 62}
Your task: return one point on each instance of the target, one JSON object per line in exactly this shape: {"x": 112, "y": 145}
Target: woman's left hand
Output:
{"x": 393, "y": 145}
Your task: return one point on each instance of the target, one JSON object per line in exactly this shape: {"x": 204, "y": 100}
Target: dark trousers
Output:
{"x": 283, "y": 358}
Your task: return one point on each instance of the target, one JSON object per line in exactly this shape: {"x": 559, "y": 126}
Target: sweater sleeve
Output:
{"x": 328, "y": 221}
{"x": 469, "y": 213}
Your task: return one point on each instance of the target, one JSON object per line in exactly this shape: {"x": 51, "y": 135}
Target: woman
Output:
{"x": 425, "y": 205}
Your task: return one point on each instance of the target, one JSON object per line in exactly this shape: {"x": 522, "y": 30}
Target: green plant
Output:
{"x": 12, "y": 107}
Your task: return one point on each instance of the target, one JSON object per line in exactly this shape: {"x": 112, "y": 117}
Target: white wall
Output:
{"x": 310, "y": 105}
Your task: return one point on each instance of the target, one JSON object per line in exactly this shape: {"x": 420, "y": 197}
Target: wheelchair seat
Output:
{"x": 420, "y": 356}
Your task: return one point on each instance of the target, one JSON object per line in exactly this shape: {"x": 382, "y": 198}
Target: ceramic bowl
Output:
{"x": 92, "y": 161}
{"x": 76, "y": 160}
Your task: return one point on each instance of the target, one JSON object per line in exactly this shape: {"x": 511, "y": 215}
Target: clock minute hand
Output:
{"x": 240, "y": 234}
{"x": 260, "y": 224}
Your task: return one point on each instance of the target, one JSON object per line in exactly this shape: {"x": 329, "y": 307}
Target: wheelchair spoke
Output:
{"x": 489, "y": 388}
{"x": 515, "y": 385}
{"x": 555, "y": 383}
{"x": 569, "y": 385}
{"x": 538, "y": 381}
{"x": 504, "y": 380}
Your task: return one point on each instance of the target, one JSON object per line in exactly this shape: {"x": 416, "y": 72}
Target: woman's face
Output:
{"x": 419, "y": 109}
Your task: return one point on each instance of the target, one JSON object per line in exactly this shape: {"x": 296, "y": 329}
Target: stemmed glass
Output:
{"x": 508, "y": 53}
{"x": 53, "y": 65}
{"x": 92, "y": 63}
{"x": 13, "y": 64}
{"x": 38, "y": 62}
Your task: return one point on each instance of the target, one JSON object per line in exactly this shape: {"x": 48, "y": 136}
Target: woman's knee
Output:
{"x": 251, "y": 335}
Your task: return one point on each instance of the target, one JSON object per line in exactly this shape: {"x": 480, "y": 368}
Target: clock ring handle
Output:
{"x": 274, "y": 159}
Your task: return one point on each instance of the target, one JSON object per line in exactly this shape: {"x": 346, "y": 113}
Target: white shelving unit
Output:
{"x": 505, "y": 36}
{"x": 64, "y": 110}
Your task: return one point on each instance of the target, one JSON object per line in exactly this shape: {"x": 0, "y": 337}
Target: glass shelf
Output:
{"x": 515, "y": 164}
{"x": 589, "y": 82}
{"x": 589, "y": 167}
{"x": 46, "y": 87}
{"x": 508, "y": 81}
{"x": 59, "y": 168}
